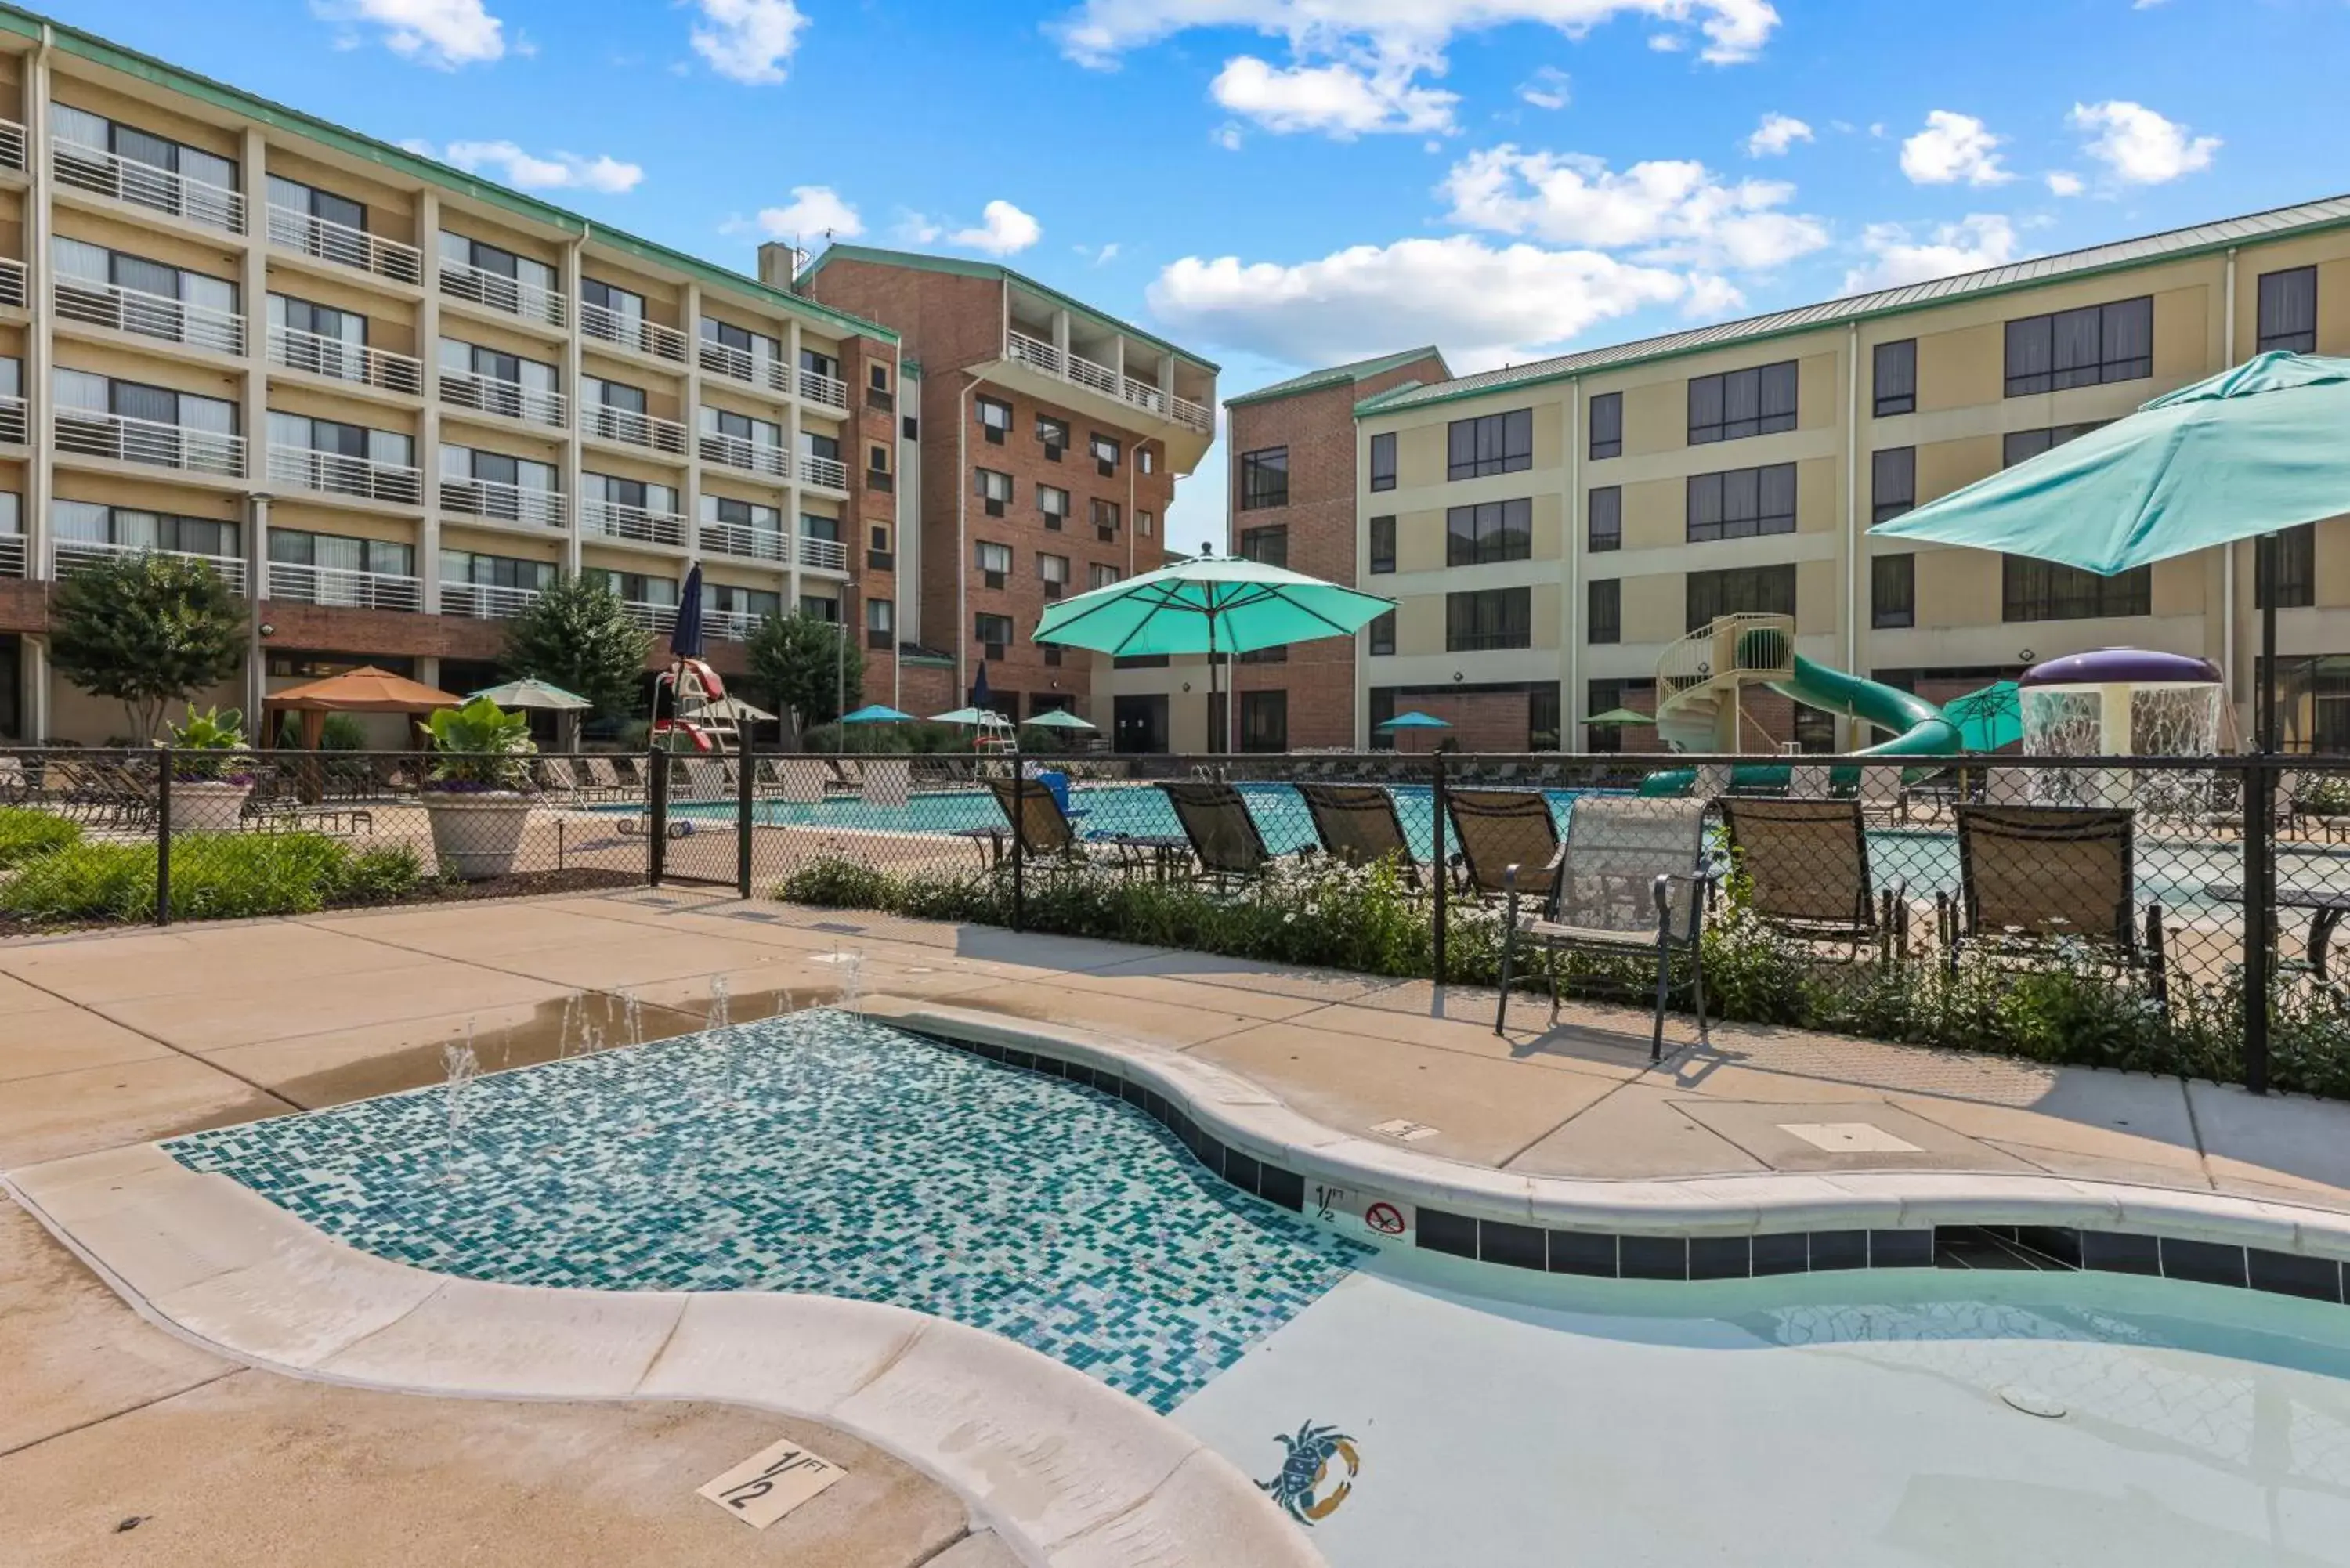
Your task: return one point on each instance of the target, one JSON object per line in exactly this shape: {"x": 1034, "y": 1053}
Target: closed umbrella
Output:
{"x": 685, "y": 639}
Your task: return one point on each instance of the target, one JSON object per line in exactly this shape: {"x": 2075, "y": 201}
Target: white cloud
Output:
{"x": 1954, "y": 148}
{"x": 1546, "y": 89}
{"x": 443, "y": 33}
{"x": 1662, "y": 211}
{"x": 1340, "y": 99}
{"x": 1485, "y": 304}
{"x": 1666, "y": 43}
{"x": 1897, "y": 256}
{"x": 813, "y": 210}
{"x": 1712, "y": 297}
{"x": 1775, "y": 135}
{"x": 531, "y": 172}
{"x": 1003, "y": 230}
{"x": 1227, "y": 136}
{"x": 748, "y": 40}
{"x": 2139, "y": 147}
{"x": 2064, "y": 182}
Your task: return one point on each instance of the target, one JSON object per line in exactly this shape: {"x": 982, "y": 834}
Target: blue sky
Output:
{"x": 1285, "y": 183}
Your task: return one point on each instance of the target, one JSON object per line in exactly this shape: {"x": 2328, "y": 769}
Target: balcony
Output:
{"x": 121, "y": 309}
{"x": 485, "y": 601}
{"x": 824, "y": 555}
{"x": 102, "y": 173}
{"x": 824, "y": 472}
{"x": 739, "y": 540}
{"x": 341, "y": 588}
{"x": 1078, "y": 371}
{"x": 12, "y": 282}
{"x": 509, "y": 400}
{"x": 12, "y": 144}
{"x": 617, "y": 520}
{"x": 652, "y": 618}
{"x": 325, "y": 240}
{"x": 333, "y": 473}
{"x": 751, "y": 457}
{"x": 12, "y": 555}
{"x": 316, "y": 355}
{"x": 502, "y": 503}
{"x": 734, "y": 626}
{"x": 70, "y": 555}
{"x": 725, "y": 360}
{"x": 601, "y": 421}
{"x": 639, "y": 336}
{"x": 824, "y": 390}
{"x": 90, "y": 433}
{"x": 16, "y": 422}
{"x": 495, "y": 291}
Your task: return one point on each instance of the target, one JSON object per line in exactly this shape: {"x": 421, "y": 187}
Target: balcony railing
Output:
{"x": 752, "y": 457}
{"x": 652, "y": 618}
{"x": 1200, "y": 417}
{"x": 12, "y": 555}
{"x": 94, "y": 433}
{"x": 70, "y": 555}
{"x": 630, "y": 428}
{"x": 502, "y": 503}
{"x": 495, "y": 291}
{"x": 464, "y": 389}
{"x": 734, "y": 626}
{"x": 103, "y": 173}
{"x": 1039, "y": 355}
{"x": 617, "y": 520}
{"x": 485, "y": 601}
{"x": 644, "y": 337}
{"x": 341, "y": 588}
{"x": 16, "y": 422}
{"x": 818, "y": 388}
{"x": 725, "y": 360}
{"x": 825, "y": 472}
{"x": 12, "y": 144}
{"x": 824, "y": 555}
{"x": 738, "y": 539}
{"x": 344, "y": 245}
{"x": 336, "y": 474}
{"x": 355, "y": 362}
{"x": 149, "y": 315}
{"x": 12, "y": 282}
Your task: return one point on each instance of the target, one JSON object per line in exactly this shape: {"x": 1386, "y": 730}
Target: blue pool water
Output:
{"x": 849, "y": 1160}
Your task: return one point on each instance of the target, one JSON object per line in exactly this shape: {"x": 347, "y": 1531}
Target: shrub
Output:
{"x": 26, "y": 834}
{"x": 214, "y": 877}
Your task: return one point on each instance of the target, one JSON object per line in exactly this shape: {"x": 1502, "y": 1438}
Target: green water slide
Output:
{"x": 1919, "y": 729}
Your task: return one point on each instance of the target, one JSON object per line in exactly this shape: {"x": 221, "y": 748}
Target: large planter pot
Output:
{"x": 478, "y": 836}
{"x": 207, "y": 805}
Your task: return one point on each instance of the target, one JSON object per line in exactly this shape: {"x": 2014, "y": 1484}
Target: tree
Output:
{"x": 578, "y": 634}
{"x": 804, "y": 667}
{"x": 147, "y": 630}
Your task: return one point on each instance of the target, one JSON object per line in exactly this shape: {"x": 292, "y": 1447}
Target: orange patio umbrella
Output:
{"x": 365, "y": 689}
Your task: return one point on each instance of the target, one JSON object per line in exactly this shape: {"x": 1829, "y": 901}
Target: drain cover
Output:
{"x": 2032, "y": 1402}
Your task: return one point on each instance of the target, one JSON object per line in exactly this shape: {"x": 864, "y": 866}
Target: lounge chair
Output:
{"x": 2037, "y": 881}
{"x": 1809, "y": 780}
{"x": 1805, "y": 865}
{"x": 1631, "y": 881}
{"x": 1358, "y": 824}
{"x": 1498, "y": 829}
{"x": 556, "y": 777}
{"x": 1048, "y": 840}
{"x": 707, "y": 778}
{"x": 1224, "y": 837}
{"x": 605, "y": 778}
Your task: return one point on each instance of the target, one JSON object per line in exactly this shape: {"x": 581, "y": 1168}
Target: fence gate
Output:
{"x": 701, "y": 813}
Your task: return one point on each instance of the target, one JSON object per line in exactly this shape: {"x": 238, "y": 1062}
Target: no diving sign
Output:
{"x": 1359, "y": 1214}
{"x": 772, "y": 1482}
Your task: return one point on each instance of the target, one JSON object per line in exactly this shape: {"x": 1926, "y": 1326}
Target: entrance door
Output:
{"x": 1140, "y": 723}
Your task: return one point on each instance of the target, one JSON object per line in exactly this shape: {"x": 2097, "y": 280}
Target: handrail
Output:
{"x": 341, "y": 587}
{"x": 66, "y": 555}
{"x": 12, "y": 555}
{"x": 495, "y": 291}
{"x": 742, "y": 540}
{"x": 16, "y": 422}
{"x": 12, "y": 282}
{"x": 512, "y": 399}
{"x": 104, "y": 174}
{"x": 500, "y": 501}
{"x": 733, "y": 451}
{"x": 93, "y": 432}
{"x": 736, "y": 365}
{"x": 608, "y": 325}
{"x": 828, "y": 472}
{"x": 485, "y": 601}
{"x": 337, "y": 474}
{"x": 824, "y": 555}
{"x": 828, "y": 391}
{"x": 12, "y": 144}
{"x": 630, "y": 428}
{"x": 110, "y": 305}
{"x": 619, "y": 520}
{"x": 327, "y": 240}
{"x": 316, "y": 354}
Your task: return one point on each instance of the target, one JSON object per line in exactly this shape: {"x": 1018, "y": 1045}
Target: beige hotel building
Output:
{"x": 1551, "y": 529}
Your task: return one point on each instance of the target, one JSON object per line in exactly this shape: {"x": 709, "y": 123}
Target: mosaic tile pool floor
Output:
{"x": 815, "y": 1152}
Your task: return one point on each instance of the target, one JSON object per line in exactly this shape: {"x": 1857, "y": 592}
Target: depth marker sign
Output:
{"x": 772, "y": 1482}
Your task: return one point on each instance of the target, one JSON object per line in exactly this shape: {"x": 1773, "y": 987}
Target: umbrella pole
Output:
{"x": 2264, "y": 573}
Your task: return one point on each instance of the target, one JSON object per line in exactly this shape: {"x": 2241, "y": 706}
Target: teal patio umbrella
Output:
{"x": 1415, "y": 719}
{"x": 1058, "y": 719}
{"x": 967, "y": 716}
{"x": 1988, "y": 719}
{"x": 2251, "y": 452}
{"x": 1215, "y": 605}
{"x": 878, "y": 713}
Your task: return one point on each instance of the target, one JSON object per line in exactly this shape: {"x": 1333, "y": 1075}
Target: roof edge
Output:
{"x": 1333, "y": 375}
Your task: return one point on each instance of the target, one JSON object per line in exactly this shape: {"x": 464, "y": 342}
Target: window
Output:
{"x": 1266, "y": 546}
{"x": 135, "y": 528}
{"x": 735, "y": 527}
{"x": 751, "y": 603}
{"x": 1815, "y": 731}
{"x": 1383, "y": 461}
{"x": 817, "y": 607}
{"x": 1742, "y": 504}
{"x": 881, "y": 622}
{"x": 1494, "y": 443}
{"x": 493, "y": 274}
{"x": 1264, "y": 656}
{"x": 2295, "y": 565}
{"x": 348, "y": 459}
{"x": 996, "y": 418}
{"x": 1265, "y": 478}
{"x": 1603, "y": 617}
{"x": 1892, "y": 483}
{"x": 1742, "y": 403}
{"x": 2042, "y": 591}
{"x": 1755, "y": 590}
{"x": 1265, "y": 721}
{"x": 815, "y": 525}
{"x": 155, "y": 299}
{"x": 1054, "y": 435}
{"x": 1492, "y": 618}
{"x": 816, "y": 361}
{"x": 1383, "y": 633}
{"x": 995, "y": 489}
{"x": 325, "y": 341}
{"x": 2020, "y": 446}
{"x": 1105, "y": 449}
{"x": 910, "y": 428}
{"x": 1604, "y": 519}
{"x": 1894, "y": 379}
{"x": 1100, "y": 575}
{"x": 1145, "y": 523}
{"x": 1053, "y": 504}
{"x": 1105, "y": 514}
{"x": 1145, "y": 459}
{"x": 1605, "y": 697}
{"x": 726, "y": 435}
{"x": 1893, "y": 591}
{"x": 1054, "y": 572}
{"x": 1489, "y": 532}
{"x": 877, "y": 462}
{"x": 209, "y": 178}
{"x": 875, "y": 377}
{"x": 1541, "y": 719}
{"x": 292, "y": 203}
{"x": 492, "y": 485}
{"x": 343, "y": 570}
{"x": 1383, "y": 545}
{"x": 617, "y": 315}
{"x": 994, "y": 630}
{"x": 474, "y": 569}
{"x": 2083, "y": 348}
{"x": 815, "y": 445}
{"x": 2289, "y": 311}
{"x": 995, "y": 560}
{"x": 636, "y": 587}
{"x": 1607, "y": 425}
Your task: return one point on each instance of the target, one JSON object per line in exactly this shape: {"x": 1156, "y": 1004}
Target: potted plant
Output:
{"x": 476, "y": 792}
{"x": 211, "y": 772}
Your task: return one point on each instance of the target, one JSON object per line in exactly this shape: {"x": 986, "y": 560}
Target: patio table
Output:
{"x": 2326, "y": 907}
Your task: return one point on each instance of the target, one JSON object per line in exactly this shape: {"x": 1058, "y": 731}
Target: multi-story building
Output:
{"x": 1045, "y": 448}
{"x": 1549, "y": 530}
{"x": 388, "y": 400}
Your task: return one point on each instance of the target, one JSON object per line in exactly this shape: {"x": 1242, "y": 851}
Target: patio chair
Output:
{"x": 2037, "y": 881}
{"x": 707, "y": 778}
{"x": 556, "y": 778}
{"x": 604, "y": 777}
{"x": 1806, "y": 869}
{"x": 1809, "y": 780}
{"x": 1048, "y": 840}
{"x": 1631, "y": 882}
{"x": 1225, "y": 837}
{"x": 1501, "y": 829}
{"x": 631, "y": 773}
{"x": 1884, "y": 798}
{"x": 1358, "y": 824}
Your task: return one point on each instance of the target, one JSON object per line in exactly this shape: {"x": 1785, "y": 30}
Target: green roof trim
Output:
{"x": 2118, "y": 255}
{"x": 1336, "y": 375}
{"x": 996, "y": 272}
{"x": 1378, "y": 400}
{"x": 399, "y": 161}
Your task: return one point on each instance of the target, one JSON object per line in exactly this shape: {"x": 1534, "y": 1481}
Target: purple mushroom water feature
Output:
{"x": 2122, "y": 701}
